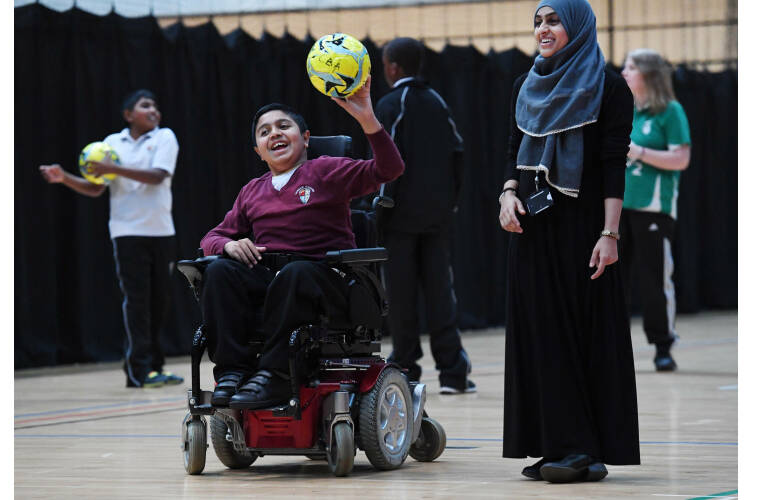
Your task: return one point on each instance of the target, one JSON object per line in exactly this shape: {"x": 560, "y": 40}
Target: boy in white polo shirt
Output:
{"x": 142, "y": 230}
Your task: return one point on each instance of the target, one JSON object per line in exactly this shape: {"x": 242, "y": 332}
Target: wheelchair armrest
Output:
{"x": 193, "y": 269}
{"x": 357, "y": 256}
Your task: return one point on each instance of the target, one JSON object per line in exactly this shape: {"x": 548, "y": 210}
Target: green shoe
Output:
{"x": 154, "y": 379}
{"x": 172, "y": 379}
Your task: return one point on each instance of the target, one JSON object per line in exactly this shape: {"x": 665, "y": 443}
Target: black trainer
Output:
{"x": 665, "y": 363}
{"x": 455, "y": 379}
{"x": 466, "y": 388}
{"x": 663, "y": 360}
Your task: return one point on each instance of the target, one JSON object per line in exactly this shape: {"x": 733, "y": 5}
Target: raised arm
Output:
{"x": 359, "y": 106}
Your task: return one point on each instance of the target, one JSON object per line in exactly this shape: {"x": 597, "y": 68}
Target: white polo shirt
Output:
{"x": 137, "y": 208}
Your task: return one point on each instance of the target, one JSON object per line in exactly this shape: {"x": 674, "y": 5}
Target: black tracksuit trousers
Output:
{"x": 646, "y": 250}
{"x": 421, "y": 261}
{"x": 241, "y": 304}
{"x": 143, "y": 266}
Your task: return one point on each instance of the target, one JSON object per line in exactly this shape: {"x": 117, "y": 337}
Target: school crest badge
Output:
{"x": 304, "y": 193}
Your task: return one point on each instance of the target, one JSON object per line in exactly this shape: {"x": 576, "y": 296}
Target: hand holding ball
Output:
{"x": 99, "y": 152}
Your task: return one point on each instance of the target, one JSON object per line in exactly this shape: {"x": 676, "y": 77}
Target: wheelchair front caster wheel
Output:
{"x": 341, "y": 456}
{"x": 430, "y": 443}
{"x": 194, "y": 445}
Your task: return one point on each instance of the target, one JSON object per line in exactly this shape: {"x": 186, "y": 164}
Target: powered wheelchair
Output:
{"x": 344, "y": 395}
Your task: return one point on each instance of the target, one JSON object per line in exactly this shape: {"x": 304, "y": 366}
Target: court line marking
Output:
{"x": 99, "y": 436}
{"x": 678, "y": 346}
{"x": 719, "y": 495}
{"x": 734, "y": 387}
{"x": 93, "y": 413}
{"x": 726, "y": 495}
{"x": 105, "y": 417}
{"x": 696, "y": 443}
{"x": 694, "y": 498}
{"x": 97, "y": 407}
{"x": 176, "y": 436}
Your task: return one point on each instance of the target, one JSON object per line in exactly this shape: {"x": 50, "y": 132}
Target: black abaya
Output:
{"x": 569, "y": 383}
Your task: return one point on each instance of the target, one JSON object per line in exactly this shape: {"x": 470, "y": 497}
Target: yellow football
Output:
{"x": 96, "y": 151}
{"x": 338, "y": 65}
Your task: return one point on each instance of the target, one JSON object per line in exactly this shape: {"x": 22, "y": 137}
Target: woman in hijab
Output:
{"x": 570, "y": 389}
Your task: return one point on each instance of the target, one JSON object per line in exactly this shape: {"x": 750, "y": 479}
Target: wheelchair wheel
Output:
{"x": 194, "y": 444}
{"x": 386, "y": 420}
{"x": 430, "y": 443}
{"x": 341, "y": 456}
{"x": 224, "y": 449}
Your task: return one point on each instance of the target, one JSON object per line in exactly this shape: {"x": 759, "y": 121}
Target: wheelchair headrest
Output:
{"x": 329, "y": 145}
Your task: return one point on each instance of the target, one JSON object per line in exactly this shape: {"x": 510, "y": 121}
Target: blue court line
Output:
{"x": 697, "y": 443}
{"x": 176, "y": 436}
{"x": 647, "y": 348}
{"x": 98, "y": 407}
{"x": 99, "y": 436}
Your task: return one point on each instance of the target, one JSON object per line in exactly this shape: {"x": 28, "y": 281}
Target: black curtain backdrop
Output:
{"x": 72, "y": 70}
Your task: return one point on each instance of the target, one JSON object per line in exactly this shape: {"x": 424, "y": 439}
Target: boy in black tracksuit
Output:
{"x": 416, "y": 231}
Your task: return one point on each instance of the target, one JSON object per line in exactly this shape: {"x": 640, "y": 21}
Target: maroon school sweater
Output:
{"x": 310, "y": 215}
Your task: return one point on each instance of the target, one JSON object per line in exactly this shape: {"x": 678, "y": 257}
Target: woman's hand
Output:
{"x": 510, "y": 205}
{"x": 52, "y": 173}
{"x": 634, "y": 151}
{"x": 359, "y": 106}
{"x": 244, "y": 251}
{"x": 605, "y": 253}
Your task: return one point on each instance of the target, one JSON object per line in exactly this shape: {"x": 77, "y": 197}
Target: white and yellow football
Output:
{"x": 338, "y": 65}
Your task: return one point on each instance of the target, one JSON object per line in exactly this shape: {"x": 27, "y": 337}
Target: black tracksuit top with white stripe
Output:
{"x": 421, "y": 125}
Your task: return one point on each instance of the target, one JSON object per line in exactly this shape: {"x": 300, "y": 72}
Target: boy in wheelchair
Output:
{"x": 277, "y": 281}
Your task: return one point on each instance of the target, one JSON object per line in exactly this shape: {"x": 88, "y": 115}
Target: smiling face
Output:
{"x": 279, "y": 142}
{"x": 144, "y": 116}
{"x": 549, "y": 32}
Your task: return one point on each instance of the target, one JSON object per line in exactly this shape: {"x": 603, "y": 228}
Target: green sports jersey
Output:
{"x": 649, "y": 188}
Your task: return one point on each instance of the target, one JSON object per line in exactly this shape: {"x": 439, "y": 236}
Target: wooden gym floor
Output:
{"x": 80, "y": 434}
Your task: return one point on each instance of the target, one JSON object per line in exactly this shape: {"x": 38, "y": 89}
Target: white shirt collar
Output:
{"x": 125, "y": 135}
{"x": 279, "y": 180}
{"x": 402, "y": 80}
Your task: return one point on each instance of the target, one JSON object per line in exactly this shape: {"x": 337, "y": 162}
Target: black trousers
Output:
{"x": 646, "y": 250}
{"x": 143, "y": 266}
{"x": 241, "y": 304}
{"x": 421, "y": 261}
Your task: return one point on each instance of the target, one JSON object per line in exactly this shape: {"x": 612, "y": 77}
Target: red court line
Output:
{"x": 92, "y": 413}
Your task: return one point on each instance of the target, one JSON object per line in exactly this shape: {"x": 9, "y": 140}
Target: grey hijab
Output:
{"x": 560, "y": 95}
